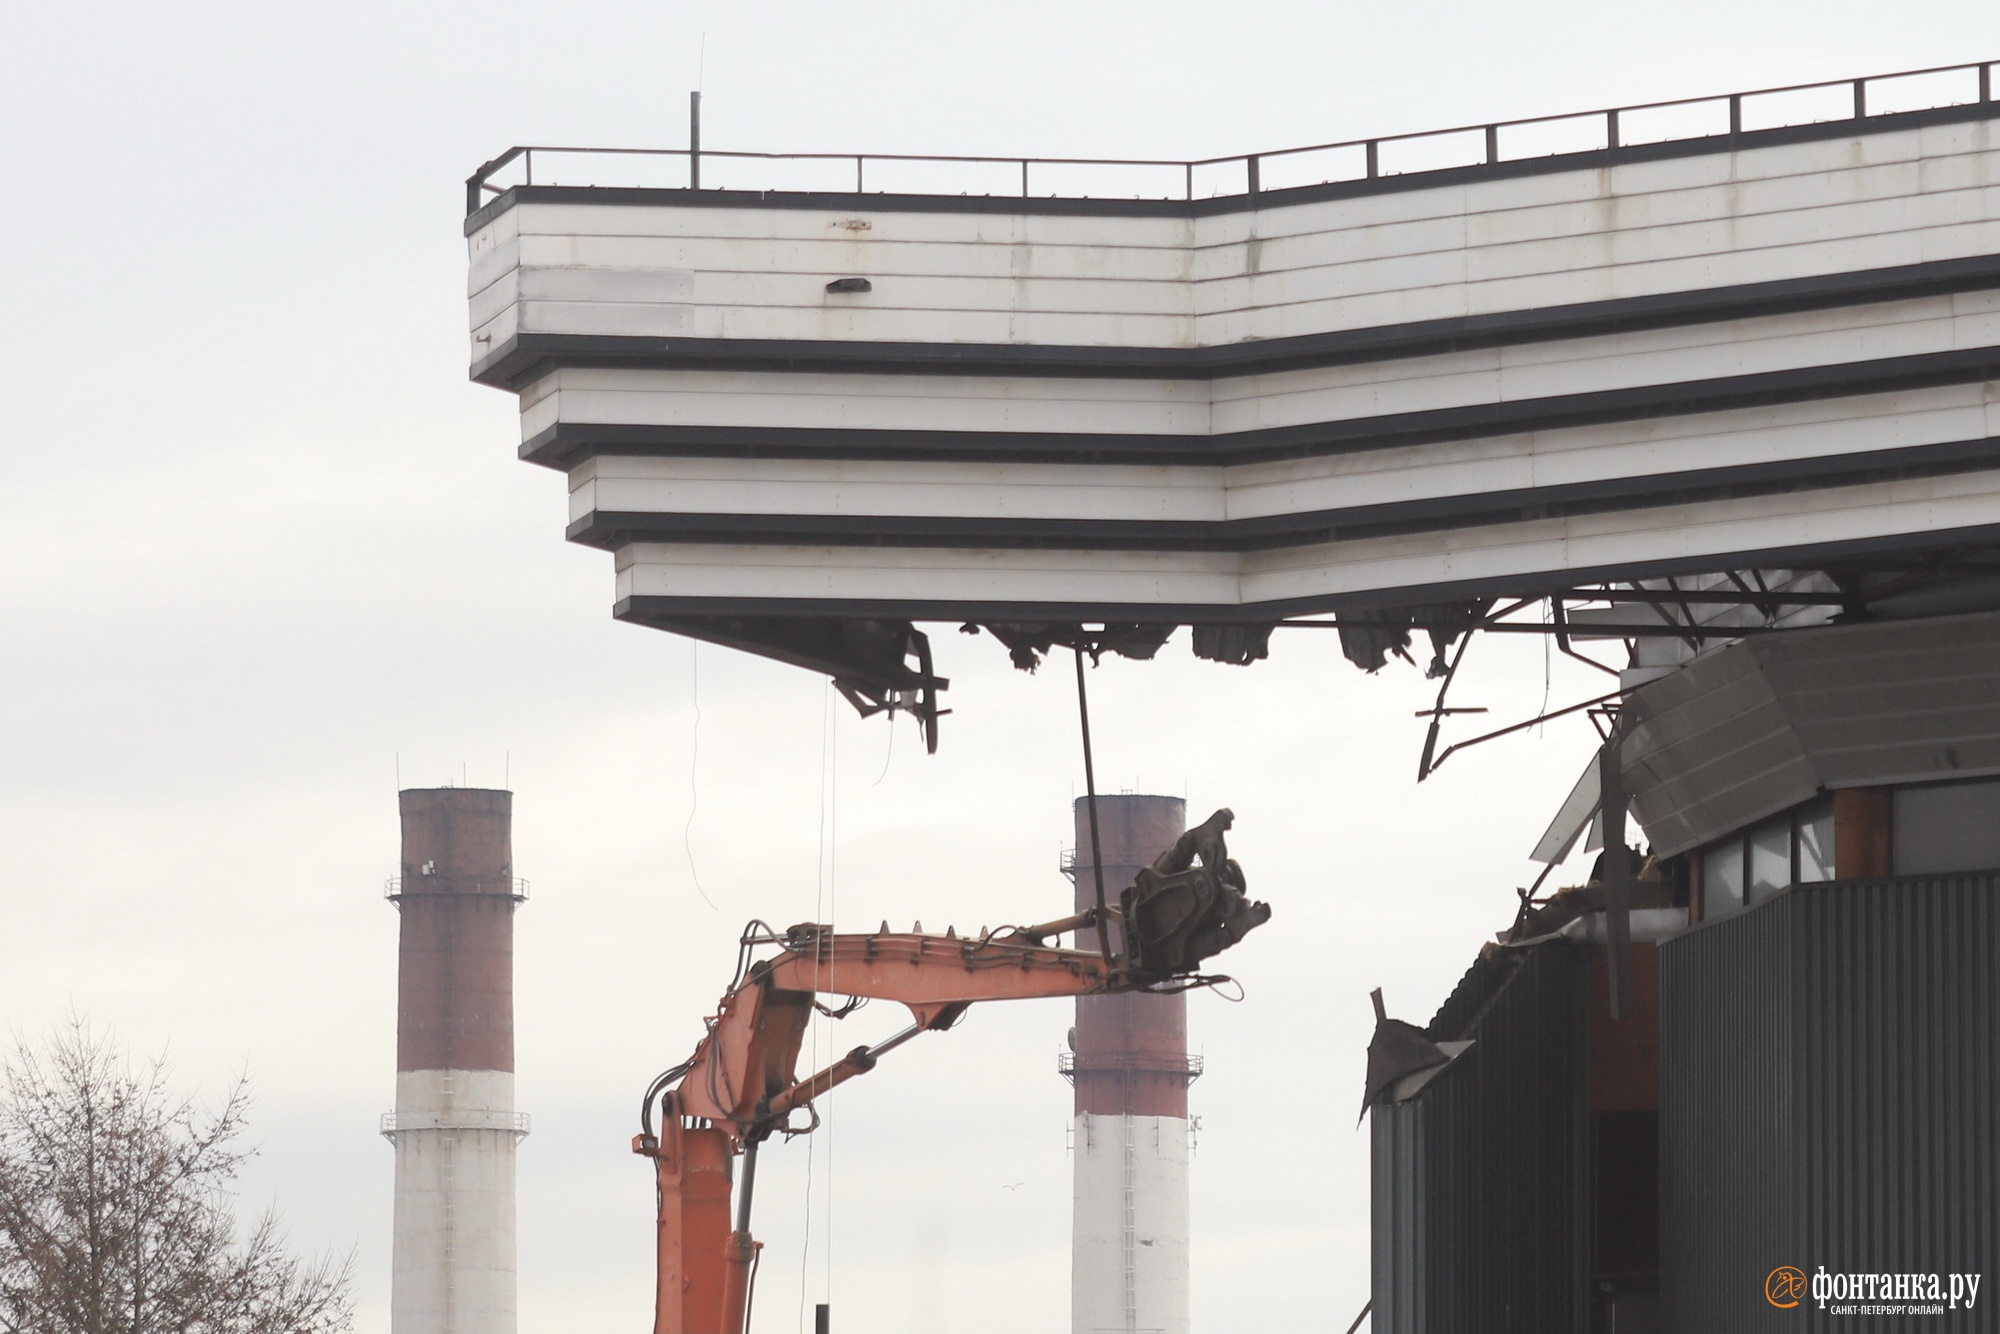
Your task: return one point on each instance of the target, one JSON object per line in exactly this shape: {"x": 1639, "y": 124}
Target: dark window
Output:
{"x": 1795, "y": 848}
{"x": 1770, "y": 859}
{"x": 1946, "y": 827}
{"x": 1816, "y": 841}
{"x": 1722, "y": 878}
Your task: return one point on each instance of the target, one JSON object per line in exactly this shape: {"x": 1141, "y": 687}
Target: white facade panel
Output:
{"x": 1129, "y": 1256}
{"x": 1708, "y": 535}
{"x": 1650, "y": 447}
{"x": 720, "y": 570}
{"x": 1712, "y": 532}
{"x": 1781, "y": 338}
{"x": 1541, "y": 240}
{"x": 627, "y": 484}
{"x": 1323, "y": 394}
{"x": 836, "y": 252}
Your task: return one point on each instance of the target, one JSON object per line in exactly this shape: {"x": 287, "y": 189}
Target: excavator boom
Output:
{"x": 744, "y": 1066}
{"x": 741, "y": 1084}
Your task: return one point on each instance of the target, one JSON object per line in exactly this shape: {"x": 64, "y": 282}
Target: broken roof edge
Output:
{"x": 1762, "y": 725}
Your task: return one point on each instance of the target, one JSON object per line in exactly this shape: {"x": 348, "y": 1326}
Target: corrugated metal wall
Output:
{"x": 1831, "y": 1073}
{"x": 1477, "y": 1180}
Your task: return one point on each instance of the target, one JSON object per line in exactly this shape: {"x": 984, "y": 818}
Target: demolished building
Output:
{"x": 1806, "y": 1079}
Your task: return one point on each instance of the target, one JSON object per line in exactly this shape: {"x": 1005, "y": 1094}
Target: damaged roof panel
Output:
{"x": 1766, "y": 723}
{"x": 1713, "y": 749}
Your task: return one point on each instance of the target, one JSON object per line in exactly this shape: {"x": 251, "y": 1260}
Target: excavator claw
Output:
{"x": 1177, "y": 914}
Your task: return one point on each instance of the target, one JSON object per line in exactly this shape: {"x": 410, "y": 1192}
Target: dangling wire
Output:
{"x": 813, "y": 1020}
{"x": 1548, "y": 660}
{"x": 823, "y": 908}
{"x": 694, "y": 760}
{"x": 888, "y": 752}
{"x": 833, "y": 916}
{"x": 1090, "y": 797}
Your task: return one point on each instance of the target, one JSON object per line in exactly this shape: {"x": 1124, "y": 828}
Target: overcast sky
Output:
{"x": 263, "y": 549}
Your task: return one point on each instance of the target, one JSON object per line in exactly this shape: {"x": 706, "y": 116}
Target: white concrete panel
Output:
{"x": 1575, "y": 276}
{"x": 773, "y": 224}
{"x": 835, "y": 253}
{"x": 844, "y": 320}
{"x": 490, "y": 247}
{"x": 1599, "y": 241}
{"x": 655, "y": 569}
{"x": 1650, "y": 447}
{"x": 983, "y": 490}
{"x": 1324, "y": 394}
{"x": 648, "y": 284}
{"x": 495, "y": 298}
{"x": 492, "y": 262}
{"x": 1129, "y": 1239}
{"x": 495, "y": 332}
{"x": 921, "y": 408}
{"x": 1546, "y": 239}
{"x": 1868, "y": 201}
{"x": 618, "y": 318}
{"x": 1694, "y": 534}
{"x": 904, "y": 291}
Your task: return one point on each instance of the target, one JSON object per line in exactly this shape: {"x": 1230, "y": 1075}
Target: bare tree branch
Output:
{"x": 116, "y": 1211}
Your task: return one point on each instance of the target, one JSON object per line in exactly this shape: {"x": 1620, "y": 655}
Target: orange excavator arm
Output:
{"x": 741, "y": 1084}
{"x": 741, "y": 1076}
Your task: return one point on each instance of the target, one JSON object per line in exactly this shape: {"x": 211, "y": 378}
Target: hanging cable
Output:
{"x": 833, "y": 916}
{"x": 888, "y": 753}
{"x": 694, "y": 760}
{"x": 1090, "y": 798}
{"x": 813, "y": 1021}
{"x": 1548, "y": 676}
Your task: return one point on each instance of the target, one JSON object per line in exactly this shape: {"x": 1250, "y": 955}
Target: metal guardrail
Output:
{"x": 516, "y": 1123}
{"x": 1730, "y": 114}
{"x": 1190, "y": 1067}
{"x": 392, "y": 888}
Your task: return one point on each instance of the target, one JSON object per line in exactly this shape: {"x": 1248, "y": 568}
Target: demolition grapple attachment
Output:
{"x": 1189, "y": 905}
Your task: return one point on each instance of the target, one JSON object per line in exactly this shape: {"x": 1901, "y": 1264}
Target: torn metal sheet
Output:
{"x": 1766, "y": 724}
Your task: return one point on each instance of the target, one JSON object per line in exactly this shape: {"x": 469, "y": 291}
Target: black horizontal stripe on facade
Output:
{"x": 614, "y": 529}
{"x": 1589, "y": 160}
{"x": 529, "y": 356}
{"x": 647, "y": 609}
{"x": 567, "y": 444}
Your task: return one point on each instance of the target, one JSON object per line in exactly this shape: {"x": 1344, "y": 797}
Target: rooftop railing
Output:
{"x": 392, "y": 888}
{"x": 513, "y": 1123}
{"x": 1242, "y": 174}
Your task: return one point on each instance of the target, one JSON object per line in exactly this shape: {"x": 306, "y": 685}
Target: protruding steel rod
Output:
{"x": 889, "y": 1044}
{"x": 749, "y": 1187}
{"x": 1617, "y": 868}
{"x": 1090, "y": 796}
{"x": 739, "y": 1276}
{"x": 694, "y": 141}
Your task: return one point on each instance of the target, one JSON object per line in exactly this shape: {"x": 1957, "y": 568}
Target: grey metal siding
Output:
{"x": 1476, "y": 1179}
{"x": 1830, "y": 1073}
{"x": 1764, "y": 724}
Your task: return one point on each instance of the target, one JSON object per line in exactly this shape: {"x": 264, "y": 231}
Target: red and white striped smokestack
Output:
{"x": 1129, "y": 1063}
{"x": 455, "y": 1128}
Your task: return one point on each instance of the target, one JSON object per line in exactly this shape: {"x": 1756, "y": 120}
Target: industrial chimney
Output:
{"x": 455, "y": 1128}
{"x": 1129, "y": 1064}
